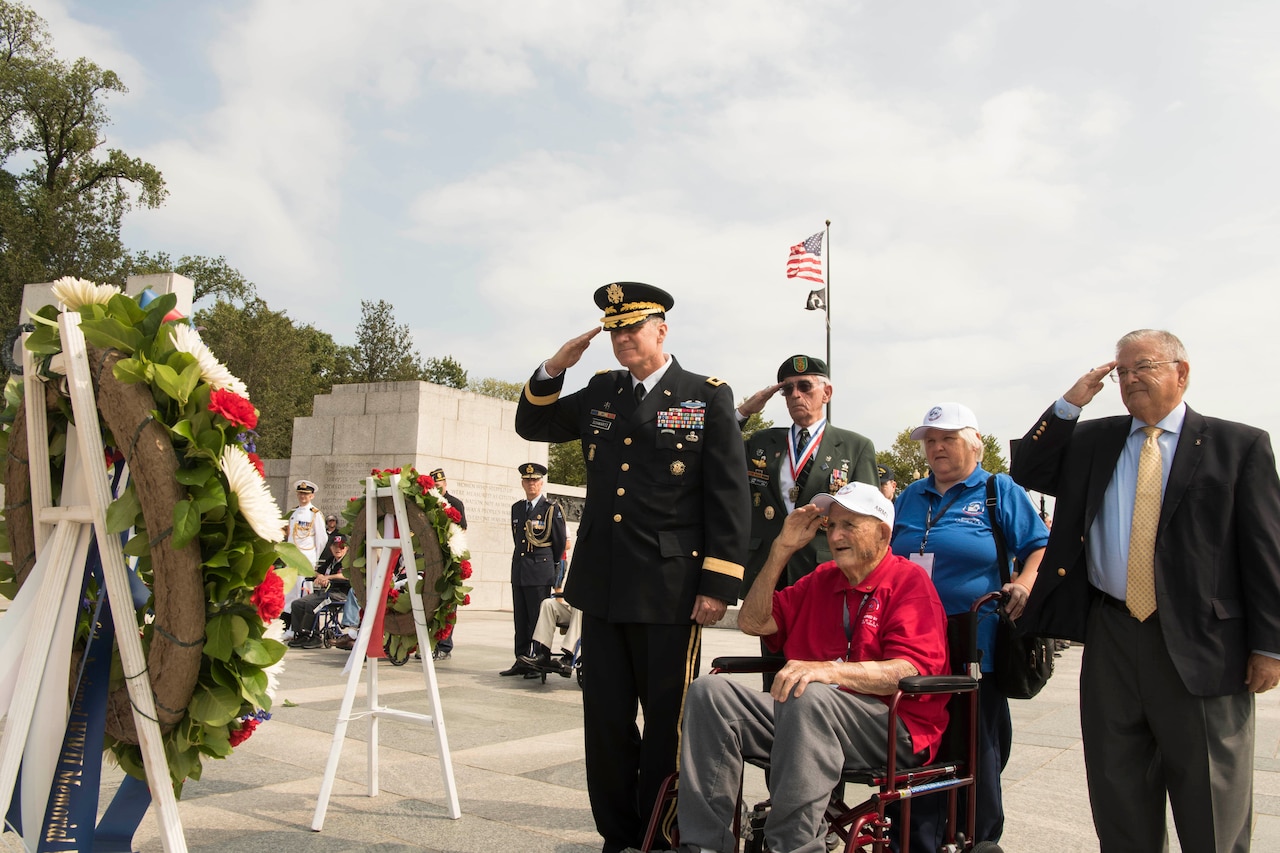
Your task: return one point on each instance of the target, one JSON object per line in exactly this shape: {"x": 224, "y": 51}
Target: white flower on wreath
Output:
{"x": 458, "y": 541}
{"x": 274, "y": 631}
{"x": 213, "y": 371}
{"x": 75, "y": 293}
{"x": 256, "y": 503}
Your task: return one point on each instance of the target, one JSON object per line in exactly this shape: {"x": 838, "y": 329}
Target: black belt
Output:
{"x": 1111, "y": 601}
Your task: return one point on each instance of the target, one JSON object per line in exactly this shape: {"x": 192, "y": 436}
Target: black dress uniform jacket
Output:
{"x": 666, "y": 516}
{"x": 535, "y": 565}
{"x": 843, "y": 457}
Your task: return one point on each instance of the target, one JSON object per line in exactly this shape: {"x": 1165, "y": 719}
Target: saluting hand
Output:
{"x": 755, "y": 403}
{"x": 1088, "y": 386}
{"x": 568, "y": 354}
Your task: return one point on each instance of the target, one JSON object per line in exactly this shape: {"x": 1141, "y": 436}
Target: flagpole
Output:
{"x": 827, "y": 311}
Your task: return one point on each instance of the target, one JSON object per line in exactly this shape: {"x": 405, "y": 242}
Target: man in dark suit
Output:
{"x": 539, "y": 533}
{"x": 660, "y": 546}
{"x": 444, "y": 648}
{"x": 1164, "y": 558}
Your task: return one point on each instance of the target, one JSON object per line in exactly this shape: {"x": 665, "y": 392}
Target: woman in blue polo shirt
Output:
{"x": 942, "y": 524}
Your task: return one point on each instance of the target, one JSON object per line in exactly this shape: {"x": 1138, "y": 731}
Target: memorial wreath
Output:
{"x": 206, "y": 534}
{"x": 440, "y": 544}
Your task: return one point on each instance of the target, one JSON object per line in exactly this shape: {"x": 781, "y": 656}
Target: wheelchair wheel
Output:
{"x": 326, "y": 637}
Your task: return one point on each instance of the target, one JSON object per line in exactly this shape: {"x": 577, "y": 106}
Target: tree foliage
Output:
{"x": 213, "y": 277}
{"x": 62, "y": 198}
{"x": 565, "y": 464}
{"x": 284, "y": 364}
{"x": 445, "y": 371}
{"x": 499, "y": 388}
{"x": 383, "y": 351}
{"x": 754, "y": 423}
{"x": 906, "y": 458}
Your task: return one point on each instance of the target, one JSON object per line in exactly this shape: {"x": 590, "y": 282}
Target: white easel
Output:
{"x": 57, "y": 528}
{"x": 378, "y": 554}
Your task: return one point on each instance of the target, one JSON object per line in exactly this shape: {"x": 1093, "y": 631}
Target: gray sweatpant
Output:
{"x": 808, "y": 740}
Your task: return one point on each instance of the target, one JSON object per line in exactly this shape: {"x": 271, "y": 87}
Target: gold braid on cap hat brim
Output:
{"x": 628, "y": 313}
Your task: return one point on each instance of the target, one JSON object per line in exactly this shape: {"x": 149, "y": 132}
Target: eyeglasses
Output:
{"x": 1141, "y": 369}
{"x": 804, "y": 386}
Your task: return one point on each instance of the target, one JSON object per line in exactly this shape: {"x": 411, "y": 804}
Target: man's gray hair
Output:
{"x": 1168, "y": 342}
{"x": 970, "y": 435}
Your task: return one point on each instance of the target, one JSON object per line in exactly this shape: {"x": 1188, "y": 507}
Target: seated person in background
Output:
{"x": 330, "y": 585}
{"x": 551, "y": 613}
{"x": 859, "y": 623}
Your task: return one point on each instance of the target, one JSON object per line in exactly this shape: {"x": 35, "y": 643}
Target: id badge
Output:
{"x": 924, "y": 561}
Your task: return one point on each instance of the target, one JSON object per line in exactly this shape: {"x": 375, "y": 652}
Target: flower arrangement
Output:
{"x": 420, "y": 491}
{"x": 223, "y": 515}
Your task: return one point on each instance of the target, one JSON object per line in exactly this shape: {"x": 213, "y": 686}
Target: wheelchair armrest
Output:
{"x": 922, "y": 684}
{"x": 747, "y": 664}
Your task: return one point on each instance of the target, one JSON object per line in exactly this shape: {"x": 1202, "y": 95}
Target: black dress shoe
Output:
{"x": 517, "y": 668}
{"x": 540, "y": 662}
{"x": 564, "y": 666}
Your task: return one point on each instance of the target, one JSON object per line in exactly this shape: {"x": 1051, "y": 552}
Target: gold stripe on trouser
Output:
{"x": 690, "y": 672}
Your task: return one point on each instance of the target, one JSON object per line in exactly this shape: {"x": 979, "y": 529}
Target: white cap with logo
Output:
{"x": 946, "y": 416}
{"x": 861, "y": 498}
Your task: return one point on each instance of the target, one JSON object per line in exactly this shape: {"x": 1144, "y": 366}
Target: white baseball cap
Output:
{"x": 948, "y": 416}
{"x": 861, "y": 498}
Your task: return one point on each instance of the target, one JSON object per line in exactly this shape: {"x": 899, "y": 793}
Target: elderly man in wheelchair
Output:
{"x": 850, "y": 630}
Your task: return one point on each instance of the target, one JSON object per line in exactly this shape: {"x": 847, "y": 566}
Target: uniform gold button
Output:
{"x": 595, "y": 432}
{"x": 626, "y": 466}
{"x": 618, "y": 517}
{"x": 679, "y": 446}
{"x": 695, "y": 553}
{"x": 626, "y": 441}
{"x": 1062, "y": 573}
{"x": 621, "y": 492}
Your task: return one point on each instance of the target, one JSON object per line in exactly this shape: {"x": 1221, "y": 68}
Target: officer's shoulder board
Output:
{"x": 715, "y": 381}
{"x": 606, "y": 370}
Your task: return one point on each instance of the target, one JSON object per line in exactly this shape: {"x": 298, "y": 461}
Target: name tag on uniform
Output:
{"x": 602, "y": 420}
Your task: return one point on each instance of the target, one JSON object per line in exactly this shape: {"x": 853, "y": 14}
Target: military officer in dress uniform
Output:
{"x": 660, "y": 546}
{"x": 539, "y": 533}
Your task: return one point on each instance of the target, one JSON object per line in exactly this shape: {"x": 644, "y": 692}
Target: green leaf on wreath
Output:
{"x": 131, "y": 371}
{"x": 156, "y": 309}
{"x": 122, "y": 512}
{"x": 211, "y": 440}
{"x": 253, "y": 687}
{"x": 44, "y": 340}
{"x": 293, "y": 559}
{"x": 183, "y": 429}
{"x": 137, "y": 546}
{"x": 224, "y": 633}
{"x": 194, "y": 476}
{"x": 259, "y": 653}
{"x": 214, "y": 705}
{"x": 125, "y": 309}
{"x": 170, "y": 383}
{"x": 210, "y": 495}
{"x": 216, "y": 741}
{"x": 110, "y": 333}
{"x": 186, "y": 523}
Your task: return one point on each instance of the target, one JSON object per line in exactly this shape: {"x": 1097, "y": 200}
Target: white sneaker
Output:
{"x": 287, "y": 635}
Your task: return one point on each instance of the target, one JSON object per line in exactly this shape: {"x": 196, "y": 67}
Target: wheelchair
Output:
{"x": 867, "y": 825}
{"x": 329, "y": 620}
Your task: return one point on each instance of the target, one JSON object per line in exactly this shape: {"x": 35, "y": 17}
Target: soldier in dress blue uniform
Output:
{"x": 660, "y": 547}
{"x": 539, "y": 533}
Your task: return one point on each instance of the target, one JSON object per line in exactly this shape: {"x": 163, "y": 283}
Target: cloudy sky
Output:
{"x": 1011, "y": 186}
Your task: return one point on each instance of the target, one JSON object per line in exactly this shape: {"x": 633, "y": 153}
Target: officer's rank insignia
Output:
{"x": 759, "y": 463}
{"x": 677, "y": 467}
{"x": 614, "y": 292}
{"x": 591, "y": 453}
{"x": 768, "y": 513}
{"x": 755, "y": 498}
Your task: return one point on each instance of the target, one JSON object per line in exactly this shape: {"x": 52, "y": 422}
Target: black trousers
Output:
{"x": 525, "y": 603}
{"x": 633, "y": 666}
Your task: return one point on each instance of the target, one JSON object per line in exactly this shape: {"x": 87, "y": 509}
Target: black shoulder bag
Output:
{"x": 1022, "y": 663}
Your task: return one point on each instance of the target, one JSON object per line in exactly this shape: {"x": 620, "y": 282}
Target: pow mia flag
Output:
{"x": 817, "y": 300}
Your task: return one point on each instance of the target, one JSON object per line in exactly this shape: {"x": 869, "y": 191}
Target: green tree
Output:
{"x": 62, "y": 214}
{"x": 384, "y": 350}
{"x": 754, "y": 423}
{"x": 992, "y": 458}
{"x": 445, "y": 371}
{"x": 284, "y": 364}
{"x": 565, "y": 464}
{"x": 213, "y": 277}
{"x": 499, "y": 388}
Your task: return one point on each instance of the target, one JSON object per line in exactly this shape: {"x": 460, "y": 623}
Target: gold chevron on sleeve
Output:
{"x": 533, "y": 398}
{"x": 723, "y": 567}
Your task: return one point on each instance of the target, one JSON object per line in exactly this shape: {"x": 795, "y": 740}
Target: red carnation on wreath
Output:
{"x": 233, "y": 407}
{"x": 426, "y": 483}
{"x": 444, "y": 633}
{"x": 454, "y": 515}
{"x": 269, "y": 596}
{"x": 257, "y": 463}
{"x": 466, "y": 599}
{"x": 240, "y": 735}
{"x": 464, "y": 569}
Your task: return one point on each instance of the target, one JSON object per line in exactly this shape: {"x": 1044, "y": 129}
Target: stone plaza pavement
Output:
{"x": 517, "y": 758}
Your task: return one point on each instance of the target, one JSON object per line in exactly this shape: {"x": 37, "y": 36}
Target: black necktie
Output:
{"x": 802, "y": 438}
{"x": 529, "y": 509}
{"x": 639, "y": 392}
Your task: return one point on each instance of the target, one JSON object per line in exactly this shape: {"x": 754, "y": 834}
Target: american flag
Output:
{"x": 806, "y": 259}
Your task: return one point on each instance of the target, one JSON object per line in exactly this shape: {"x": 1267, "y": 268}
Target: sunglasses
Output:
{"x": 804, "y": 386}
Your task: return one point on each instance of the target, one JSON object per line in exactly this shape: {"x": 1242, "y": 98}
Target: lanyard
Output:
{"x": 929, "y": 521}
{"x": 811, "y": 448}
{"x": 850, "y": 620}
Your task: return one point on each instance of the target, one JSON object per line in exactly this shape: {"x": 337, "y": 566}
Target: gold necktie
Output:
{"x": 1140, "y": 588}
